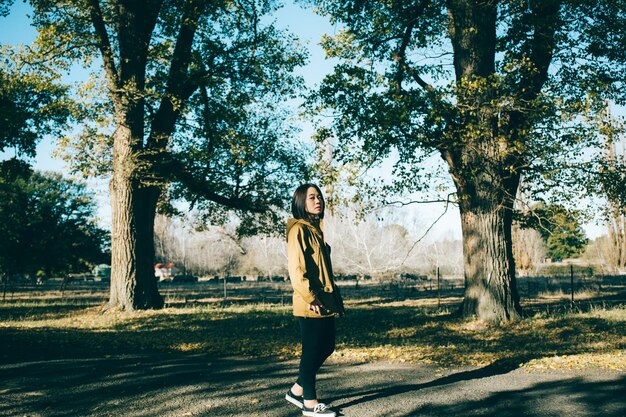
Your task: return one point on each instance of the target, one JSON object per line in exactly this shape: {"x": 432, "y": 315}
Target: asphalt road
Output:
{"x": 198, "y": 385}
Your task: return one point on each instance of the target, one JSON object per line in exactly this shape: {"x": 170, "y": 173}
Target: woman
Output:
{"x": 316, "y": 298}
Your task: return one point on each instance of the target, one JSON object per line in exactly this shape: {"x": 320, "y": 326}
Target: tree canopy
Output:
{"x": 408, "y": 84}
{"x": 212, "y": 82}
{"x": 32, "y": 104}
{"x": 47, "y": 223}
{"x": 499, "y": 90}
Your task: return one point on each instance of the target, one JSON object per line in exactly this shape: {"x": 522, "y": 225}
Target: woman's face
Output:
{"x": 314, "y": 202}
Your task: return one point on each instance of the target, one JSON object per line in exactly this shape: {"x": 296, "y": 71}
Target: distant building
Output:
{"x": 165, "y": 271}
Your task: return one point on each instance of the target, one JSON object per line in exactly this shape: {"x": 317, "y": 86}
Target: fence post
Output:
{"x": 438, "y": 288}
{"x": 571, "y": 275}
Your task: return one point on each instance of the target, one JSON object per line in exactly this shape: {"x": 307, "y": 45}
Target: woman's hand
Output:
{"x": 316, "y": 306}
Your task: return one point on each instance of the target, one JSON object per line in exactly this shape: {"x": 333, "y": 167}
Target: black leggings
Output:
{"x": 318, "y": 342}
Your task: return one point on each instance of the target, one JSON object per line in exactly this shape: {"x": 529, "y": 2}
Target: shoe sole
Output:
{"x": 312, "y": 414}
{"x": 294, "y": 401}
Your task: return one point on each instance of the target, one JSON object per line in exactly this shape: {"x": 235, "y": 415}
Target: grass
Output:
{"x": 413, "y": 330}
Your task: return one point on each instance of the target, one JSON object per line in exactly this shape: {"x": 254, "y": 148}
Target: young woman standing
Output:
{"x": 316, "y": 298}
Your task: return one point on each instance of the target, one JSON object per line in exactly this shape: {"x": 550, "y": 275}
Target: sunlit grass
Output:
{"x": 554, "y": 336}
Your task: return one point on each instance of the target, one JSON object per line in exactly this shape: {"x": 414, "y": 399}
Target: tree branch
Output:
{"x": 180, "y": 173}
{"x": 447, "y": 201}
{"x": 546, "y": 15}
{"x": 178, "y": 88}
{"x": 104, "y": 44}
{"x": 400, "y": 56}
{"x": 408, "y": 203}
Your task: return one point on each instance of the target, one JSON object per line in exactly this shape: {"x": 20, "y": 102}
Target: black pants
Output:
{"x": 318, "y": 342}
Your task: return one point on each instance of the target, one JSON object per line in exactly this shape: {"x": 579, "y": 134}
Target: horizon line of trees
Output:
{"x": 370, "y": 246}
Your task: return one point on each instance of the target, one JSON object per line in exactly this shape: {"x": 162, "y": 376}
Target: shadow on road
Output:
{"x": 200, "y": 385}
{"x": 499, "y": 390}
{"x": 570, "y": 397}
{"x": 496, "y": 368}
{"x": 138, "y": 385}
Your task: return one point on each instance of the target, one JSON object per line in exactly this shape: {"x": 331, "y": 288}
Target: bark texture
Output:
{"x": 133, "y": 207}
{"x": 616, "y": 225}
{"x": 490, "y": 285}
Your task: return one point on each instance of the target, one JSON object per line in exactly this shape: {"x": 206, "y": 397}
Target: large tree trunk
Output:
{"x": 490, "y": 285}
{"x": 133, "y": 205}
{"x": 486, "y": 194}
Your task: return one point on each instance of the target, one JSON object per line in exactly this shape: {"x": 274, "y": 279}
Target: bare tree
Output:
{"x": 616, "y": 212}
{"x": 368, "y": 246}
{"x": 598, "y": 252}
{"x": 199, "y": 252}
{"x": 265, "y": 255}
{"x": 447, "y": 255}
{"x": 529, "y": 249}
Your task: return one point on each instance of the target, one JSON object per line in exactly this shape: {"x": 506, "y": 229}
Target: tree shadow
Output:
{"x": 40, "y": 311}
{"x": 490, "y": 391}
{"x": 497, "y": 368}
{"x": 442, "y": 338}
{"x": 141, "y": 385}
{"x": 570, "y": 397}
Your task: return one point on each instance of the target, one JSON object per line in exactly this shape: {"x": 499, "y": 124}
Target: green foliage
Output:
{"x": 566, "y": 241}
{"x": 211, "y": 91}
{"x": 32, "y": 104}
{"x": 495, "y": 101}
{"x": 611, "y": 168}
{"x": 47, "y": 223}
{"x": 5, "y": 6}
{"x": 560, "y": 228}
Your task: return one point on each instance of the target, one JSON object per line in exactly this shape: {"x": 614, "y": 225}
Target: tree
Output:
{"x": 529, "y": 248}
{"x": 264, "y": 255}
{"x": 522, "y": 74}
{"x": 366, "y": 246}
{"x": 199, "y": 250}
{"x": 612, "y": 178}
{"x": 559, "y": 227}
{"x": 566, "y": 237}
{"x": 47, "y": 223}
{"x": 32, "y": 104}
{"x": 194, "y": 90}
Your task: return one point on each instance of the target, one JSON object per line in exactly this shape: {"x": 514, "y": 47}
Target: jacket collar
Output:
{"x": 316, "y": 226}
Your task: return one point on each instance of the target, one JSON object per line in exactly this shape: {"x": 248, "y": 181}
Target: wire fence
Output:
{"x": 575, "y": 287}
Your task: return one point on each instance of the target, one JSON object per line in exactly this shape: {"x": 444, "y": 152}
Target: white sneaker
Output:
{"x": 320, "y": 410}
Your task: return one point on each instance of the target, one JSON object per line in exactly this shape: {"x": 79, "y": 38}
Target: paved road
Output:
{"x": 197, "y": 385}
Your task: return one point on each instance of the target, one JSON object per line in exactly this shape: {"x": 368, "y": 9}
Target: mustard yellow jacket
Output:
{"x": 310, "y": 270}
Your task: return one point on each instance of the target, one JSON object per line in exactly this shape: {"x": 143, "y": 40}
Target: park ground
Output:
{"x": 402, "y": 351}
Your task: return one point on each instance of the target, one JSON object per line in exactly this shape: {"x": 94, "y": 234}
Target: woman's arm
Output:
{"x": 296, "y": 264}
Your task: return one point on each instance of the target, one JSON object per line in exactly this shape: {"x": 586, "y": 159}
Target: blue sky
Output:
{"x": 309, "y": 27}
